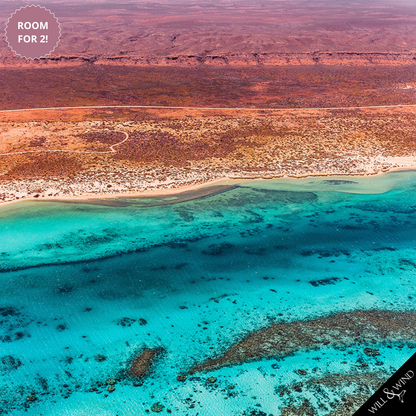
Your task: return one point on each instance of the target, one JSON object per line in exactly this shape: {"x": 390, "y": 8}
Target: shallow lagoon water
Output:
{"x": 193, "y": 276}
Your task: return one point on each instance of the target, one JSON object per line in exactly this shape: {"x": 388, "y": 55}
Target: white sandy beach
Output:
{"x": 86, "y": 188}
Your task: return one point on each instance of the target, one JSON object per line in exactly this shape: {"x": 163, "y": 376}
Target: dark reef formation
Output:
{"x": 341, "y": 329}
{"x": 140, "y": 367}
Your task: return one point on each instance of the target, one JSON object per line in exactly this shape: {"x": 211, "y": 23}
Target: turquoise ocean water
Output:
{"x": 85, "y": 287}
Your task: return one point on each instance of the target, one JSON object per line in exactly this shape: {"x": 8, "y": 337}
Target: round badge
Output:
{"x": 33, "y": 32}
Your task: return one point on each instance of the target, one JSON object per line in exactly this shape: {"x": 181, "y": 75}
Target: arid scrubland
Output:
{"x": 73, "y": 157}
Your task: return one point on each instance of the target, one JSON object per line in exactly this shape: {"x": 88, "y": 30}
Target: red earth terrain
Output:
{"x": 189, "y": 33}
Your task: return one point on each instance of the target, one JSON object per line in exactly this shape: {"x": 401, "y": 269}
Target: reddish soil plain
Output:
{"x": 256, "y": 86}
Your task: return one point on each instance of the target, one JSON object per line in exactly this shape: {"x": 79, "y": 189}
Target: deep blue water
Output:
{"x": 193, "y": 278}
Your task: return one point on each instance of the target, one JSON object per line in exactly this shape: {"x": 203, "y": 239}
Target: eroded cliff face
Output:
{"x": 234, "y": 59}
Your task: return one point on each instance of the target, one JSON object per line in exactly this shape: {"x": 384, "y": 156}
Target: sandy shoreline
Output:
{"x": 228, "y": 181}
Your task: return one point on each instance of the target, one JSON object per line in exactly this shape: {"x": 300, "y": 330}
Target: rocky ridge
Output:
{"x": 233, "y": 59}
